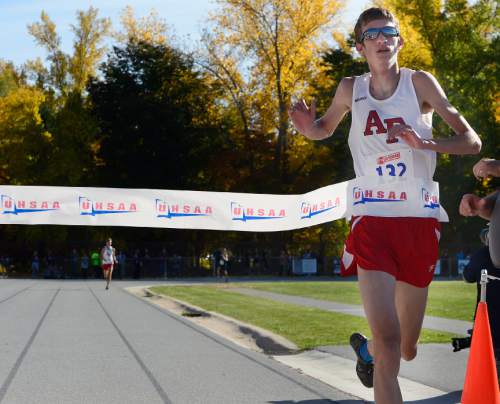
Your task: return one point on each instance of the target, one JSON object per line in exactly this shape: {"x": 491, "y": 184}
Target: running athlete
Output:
{"x": 108, "y": 260}
{"x": 390, "y": 138}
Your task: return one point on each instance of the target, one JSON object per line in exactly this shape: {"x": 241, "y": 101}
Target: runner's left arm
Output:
{"x": 465, "y": 140}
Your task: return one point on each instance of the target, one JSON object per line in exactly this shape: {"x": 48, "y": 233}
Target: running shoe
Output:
{"x": 364, "y": 369}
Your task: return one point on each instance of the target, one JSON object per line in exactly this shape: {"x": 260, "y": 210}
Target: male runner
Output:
{"x": 391, "y": 119}
{"x": 108, "y": 260}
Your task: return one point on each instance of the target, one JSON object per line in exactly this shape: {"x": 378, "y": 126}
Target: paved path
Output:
{"x": 73, "y": 342}
{"x": 435, "y": 376}
{"x": 434, "y": 323}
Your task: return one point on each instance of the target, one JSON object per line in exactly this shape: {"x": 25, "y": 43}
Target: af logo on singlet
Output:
{"x": 373, "y": 121}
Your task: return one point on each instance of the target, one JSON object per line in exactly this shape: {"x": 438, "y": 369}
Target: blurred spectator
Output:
{"x": 147, "y": 261}
{"x": 176, "y": 265}
{"x": 336, "y": 266}
{"x": 217, "y": 256}
{"x": 224, "y": 264}
{"x": 35, "y": 265}
{"x": 122, "y": 262}
{"x": 138, "y": 264}
{"x": 84, "y": 264}
{"x": 445, "y": 263}
{"x": 95, "y": 260}
{"x": 50, "y": 266}
{"x": 265, "y": 264}
{"x": 284, "y": 263}
{"x": 73, "y": 264}
{"x": 308, "y": 254}
{"x": 164, "y": 259}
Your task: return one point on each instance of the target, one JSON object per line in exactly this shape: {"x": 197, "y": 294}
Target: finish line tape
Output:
{"x": 34, "y": 205}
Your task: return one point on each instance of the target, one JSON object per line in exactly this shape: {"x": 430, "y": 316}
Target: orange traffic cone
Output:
{"x": 481, "y": 382}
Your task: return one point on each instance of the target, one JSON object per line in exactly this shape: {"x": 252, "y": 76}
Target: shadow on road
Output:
{"x": 449, "y": 398}
{"x": 320, "y": 401}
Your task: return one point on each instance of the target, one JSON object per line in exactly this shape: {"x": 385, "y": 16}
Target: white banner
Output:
{"x": 216, "y": 210}
{"x": 393, "y": 197}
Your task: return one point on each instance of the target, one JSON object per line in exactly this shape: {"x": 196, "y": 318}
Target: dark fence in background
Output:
{"x": 178, "y": 267}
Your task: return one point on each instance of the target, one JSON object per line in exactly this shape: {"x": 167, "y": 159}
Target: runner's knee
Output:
{"x": 387, "y": 343}
{"x": 408, "y": 353}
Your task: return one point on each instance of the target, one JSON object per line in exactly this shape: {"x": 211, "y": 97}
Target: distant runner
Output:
{"x": 108, "y": 260}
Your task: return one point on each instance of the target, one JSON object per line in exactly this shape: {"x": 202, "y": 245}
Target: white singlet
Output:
{"x": 371, "y": 119}
{"x": 107, "y": 255}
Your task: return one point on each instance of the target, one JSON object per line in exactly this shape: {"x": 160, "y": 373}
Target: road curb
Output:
{"x": 265, "y": 341}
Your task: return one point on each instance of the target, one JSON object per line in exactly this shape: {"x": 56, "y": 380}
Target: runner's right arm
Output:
{"x": 304, "y": 117}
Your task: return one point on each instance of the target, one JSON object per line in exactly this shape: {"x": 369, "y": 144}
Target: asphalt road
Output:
{"x": 74, "y": 342}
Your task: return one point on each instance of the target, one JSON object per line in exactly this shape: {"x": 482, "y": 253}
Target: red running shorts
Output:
{"x": 107, "y": 267}
{"x": 404, "y": 247}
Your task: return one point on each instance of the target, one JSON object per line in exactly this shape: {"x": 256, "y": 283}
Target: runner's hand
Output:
{"x": 302, "y": 116}
{"x": 408, "y": 135}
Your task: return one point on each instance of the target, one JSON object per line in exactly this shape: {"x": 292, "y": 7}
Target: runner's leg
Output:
{"x": 110, "y": 276}
{"x": 378, "y": 294}
{"x": 105, "y": 274}
{"x": 410, "y": 306}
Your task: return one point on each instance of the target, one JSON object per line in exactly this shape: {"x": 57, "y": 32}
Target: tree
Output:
{"x": 69, "y": 73}
{"x": 10, "y": 78}
{"x": 248, "y": 148}
{"x": 151, "y": 106}
{"x": 89, "y": 32}
{"x": 45, "y": 35}
{"x": 151, "y": 29}
{"x": 23, "y": 138}
{"x": 64, "y": 114}
{"x": 277, "y": 40}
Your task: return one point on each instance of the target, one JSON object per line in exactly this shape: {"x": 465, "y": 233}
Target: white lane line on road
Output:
{"x": 15, "y": 294}
{"x": 17, "y": 365}
{"x": 340, "y": 373}
{"x": 221, "y": 340}
{"x": 134, "y": 353}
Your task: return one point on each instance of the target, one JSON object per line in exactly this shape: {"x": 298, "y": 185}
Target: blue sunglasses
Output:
{"x": 373, "y": 33}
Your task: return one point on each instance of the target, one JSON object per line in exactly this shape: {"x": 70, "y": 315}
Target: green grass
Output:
{"x": 452, "y": 299}
{"x": 306, "y": 327}
{"x": 449, "y": 299}
{"x": 341, "y": 292}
